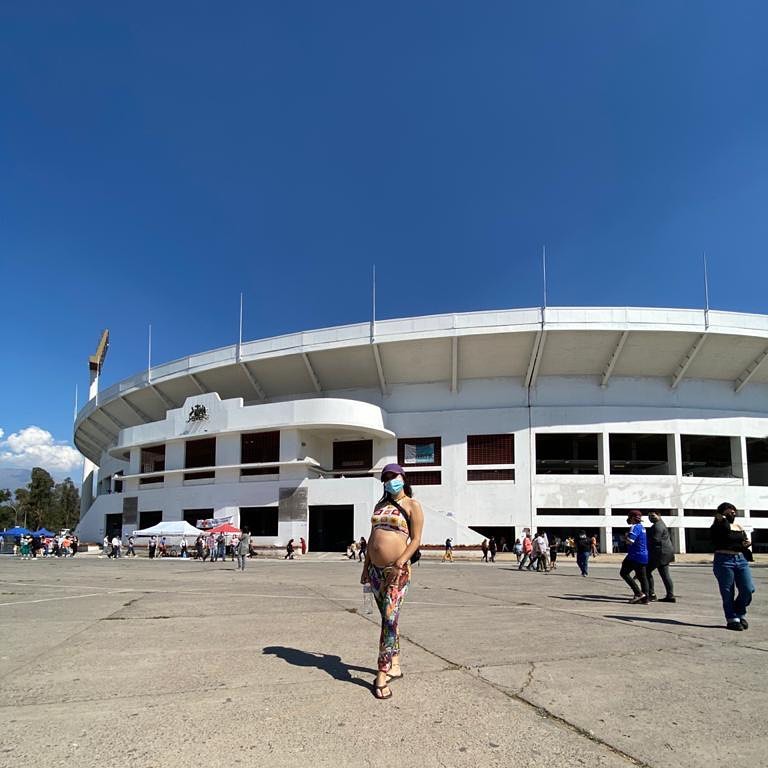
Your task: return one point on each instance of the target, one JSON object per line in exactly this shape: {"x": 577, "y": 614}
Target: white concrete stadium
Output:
{"x": 554, "y": 419}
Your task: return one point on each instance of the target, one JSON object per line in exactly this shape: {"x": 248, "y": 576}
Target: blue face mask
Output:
{"x": 394, "y": 486}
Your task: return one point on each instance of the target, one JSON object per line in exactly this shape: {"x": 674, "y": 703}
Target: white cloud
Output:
{"x": 35, "y": 447}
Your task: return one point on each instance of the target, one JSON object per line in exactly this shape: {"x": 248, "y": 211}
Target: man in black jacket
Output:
{"x": 660, "y": 554}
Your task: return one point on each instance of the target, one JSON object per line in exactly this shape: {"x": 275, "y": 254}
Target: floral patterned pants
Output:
{"x": 389, "y": 586}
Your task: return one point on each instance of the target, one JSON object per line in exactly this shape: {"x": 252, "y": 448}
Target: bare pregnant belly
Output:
{"x": 384, "y": 547}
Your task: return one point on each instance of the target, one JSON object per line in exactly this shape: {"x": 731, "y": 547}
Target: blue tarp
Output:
{"x": 16, "y": 531}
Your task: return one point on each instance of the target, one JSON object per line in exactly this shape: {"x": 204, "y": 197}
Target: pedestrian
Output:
{"x": 210, "y": 541}
{"x": 303, "y": 543}
{"x": 396, "y": 527}
{"x": 518, "y": 548}
{"x": 492, "y": 549}
{"x": 541, "y": 549}
{"x": 570, "y": 547}
{"x": 731, "y": 566}
{"x": 243, "y": 548}
{"x": 152, "y": 547}
{"x": 660, "y": 554}
{"x": 289, "y": 550}
{"x": 75, "y": 544}
{"x": 545, "y": 551}
{"x": 116, "y": 546}
{"x": 583, "y": 547}
{"x": 593, "y": 546}
{"x": 183, "y": 546}
{"x": 199, "y": 547}
{"x": 361, "y": 549}
{"x": 448, "y": 553}
{"x": 130, "y": 550}
{"x": 221, "y": 547}
{"x": 637, "y": 558}
{"x": 352, "y": 550}
{"x": 554, "y": 545}
{"x": 527, "y": 550}
{"x": 484, "y": 548}
{"x": 107, "y": 546}
{"x": 26, "y": 547}
{"x": 503, "y": 545}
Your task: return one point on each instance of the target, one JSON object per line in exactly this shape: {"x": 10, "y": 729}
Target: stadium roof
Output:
{"x": 604, "y": 342}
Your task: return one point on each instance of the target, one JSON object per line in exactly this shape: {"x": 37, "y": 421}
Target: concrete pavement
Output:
{"x": 167, "y": 663}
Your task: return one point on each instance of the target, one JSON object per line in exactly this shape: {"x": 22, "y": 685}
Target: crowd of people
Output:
{"x": 30, "y": 547}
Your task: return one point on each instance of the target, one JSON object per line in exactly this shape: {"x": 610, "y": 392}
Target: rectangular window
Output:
{"x": 259, "y": 521}
{"x": 706, "y": 456}
{"x": 259, "y": 448}
{"x": 353, "y": 456}
{"x": 757, "y": 460}
{"x": 199, "y": 453}
{"x": 152, "y": 460}
{"x": 418, "y": 452}
{"x": 638, "y": 454}
{"x": 566, "y": 454}
{"x": 474, "y": 475}
{"x": 431, "y": 477}
{"x": 491, "y": 449}
{"x": 488, "y": 450}
{"x": 148, "y": 519}
{"x": 118, "y": 482}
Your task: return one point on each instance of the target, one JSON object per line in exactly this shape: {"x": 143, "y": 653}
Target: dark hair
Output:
{"x": 244, "y": 531}
{"x": 726, "y": 505}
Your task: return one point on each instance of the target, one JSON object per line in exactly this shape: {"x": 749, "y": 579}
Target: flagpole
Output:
{"x": 240, "y": 337}
{"x": 149, "y": 354}
{"x": 706, "y": 291}
{"x": 544, "y": 271}
{"x": 373, "y": 304}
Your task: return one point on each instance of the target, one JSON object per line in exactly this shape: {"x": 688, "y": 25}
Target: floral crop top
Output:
{"x": 389, "y": 518}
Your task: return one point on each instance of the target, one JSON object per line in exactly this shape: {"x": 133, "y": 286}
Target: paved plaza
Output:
{"x": 178, "y": 663}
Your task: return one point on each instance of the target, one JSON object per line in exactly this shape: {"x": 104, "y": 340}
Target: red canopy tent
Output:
{"x": 224, "y": 528}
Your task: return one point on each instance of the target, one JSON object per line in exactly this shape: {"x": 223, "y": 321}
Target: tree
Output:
{"x": 7, "y": 512}
{"x": 40, "y": 499}
{"x": 66, "y": 506}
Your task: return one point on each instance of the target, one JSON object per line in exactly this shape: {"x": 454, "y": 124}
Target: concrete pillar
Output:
{"x": 290, "y": 450}
{"x": 606, "y": 532}
{"x": 680, "y": 531}
{"x": 227, "y": 452}
{"x": 174, "y": 459}
{"x": 674, "y": 455}
{"x": 739, "y": 457}
{"x": 603, "y": 454}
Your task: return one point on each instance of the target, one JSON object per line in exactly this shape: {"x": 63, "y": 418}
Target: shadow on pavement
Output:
{"x": 674, "y": 622}
{"x": 593, "y": 598}
{"x": 333, "y": 665}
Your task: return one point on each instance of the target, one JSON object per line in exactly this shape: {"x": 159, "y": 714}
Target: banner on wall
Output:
{"x": 212, "y": 522}
{"x": 419, "y": 454}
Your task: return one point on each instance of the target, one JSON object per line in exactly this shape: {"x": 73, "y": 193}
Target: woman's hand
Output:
{"x": 399, "y": 563}
{"x": 365, "y": 578}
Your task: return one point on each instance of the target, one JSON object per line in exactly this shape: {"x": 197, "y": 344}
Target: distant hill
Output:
{"x": 13, "y": 477}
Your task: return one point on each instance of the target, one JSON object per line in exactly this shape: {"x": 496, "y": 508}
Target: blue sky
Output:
{"x": 159, "y": 158}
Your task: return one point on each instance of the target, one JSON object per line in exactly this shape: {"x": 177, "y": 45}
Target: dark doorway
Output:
{"x": 331, "y": 528}
{"x": 698, "y": 540}
{"x": 113, "y": 525}
{"x": 504, "y": 534}
{"x": 148, "y": 519}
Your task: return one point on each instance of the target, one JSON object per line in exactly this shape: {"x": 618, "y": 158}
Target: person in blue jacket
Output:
{"x": 636, "y": 560}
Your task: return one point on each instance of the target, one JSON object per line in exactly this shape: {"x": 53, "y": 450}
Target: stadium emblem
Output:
{"x": 197, "y": 413}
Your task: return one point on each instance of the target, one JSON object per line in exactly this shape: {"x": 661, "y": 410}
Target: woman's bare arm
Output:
{"x": 416, "y": 515}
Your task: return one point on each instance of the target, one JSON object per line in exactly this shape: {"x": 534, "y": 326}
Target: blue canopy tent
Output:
{"x": 16, "y": 531}
{"x": 43, "y": 532}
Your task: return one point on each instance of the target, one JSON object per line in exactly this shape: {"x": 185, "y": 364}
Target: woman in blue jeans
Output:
{"x": 730, "y": 566}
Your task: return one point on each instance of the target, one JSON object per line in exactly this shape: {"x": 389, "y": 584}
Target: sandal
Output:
{"x": 394, "y": 677}
{"x": 381, "y": 696}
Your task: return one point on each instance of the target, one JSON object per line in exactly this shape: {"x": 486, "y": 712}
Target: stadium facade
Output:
{"x": 554, "y": 419}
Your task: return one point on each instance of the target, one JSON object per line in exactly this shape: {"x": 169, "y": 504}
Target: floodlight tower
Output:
{"x": 95, "y": 364}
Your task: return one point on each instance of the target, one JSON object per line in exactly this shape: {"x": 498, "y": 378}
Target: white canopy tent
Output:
{"x": 169, "y": 528}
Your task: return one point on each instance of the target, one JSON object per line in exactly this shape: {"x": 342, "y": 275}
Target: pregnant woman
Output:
{"x": 396, "y": 526}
